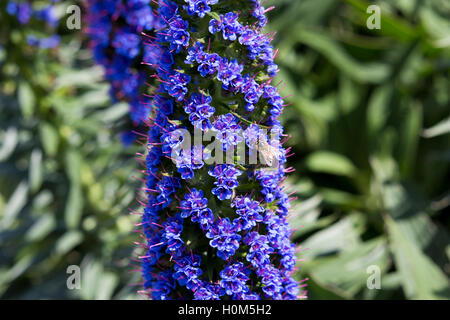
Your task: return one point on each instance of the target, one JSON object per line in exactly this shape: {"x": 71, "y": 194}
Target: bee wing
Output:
{"x": 269, "y": 152}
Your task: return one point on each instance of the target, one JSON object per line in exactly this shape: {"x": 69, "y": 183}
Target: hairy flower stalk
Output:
{"x": 214, "y": 223}
{"x": 114, "y": 28}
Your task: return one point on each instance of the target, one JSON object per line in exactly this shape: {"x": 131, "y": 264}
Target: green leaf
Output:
{"x": 74, "y": 207}
{"x": 49, "y": 138}
{"x": 378, "y": 109}
{"x": 36, "y": 170}
{"x": 360, "y": 72}
{"x": 27, "y": 99}
{"x": 91, "y": 273}
{"x": 74, "y": 163}
{"x": 113, "y": 113}
{"x": 341, "y": 236}
{"x": 82, "y": 78}
{"x": 304, "y": 216}
{"x": 441, "y": 128}
{"x": 67, "y": 242}
{"x": 421, "y": 278}
{"x": 349, "y": 94}
{"x": 332, "y": 163}
{"x": 436, "y": 25}
{"x": 390, "y": 25}
{"x": 318, "y": 290}
{"x": 347, "y": 271}
{"x": 75, "y": 201}
{"x": 106, "y": 285}
{"x": 9, "y": 142}
{"x": 15, "y": 204}
{"x": 410, "y": 138}
{"x": 41, "y": 228}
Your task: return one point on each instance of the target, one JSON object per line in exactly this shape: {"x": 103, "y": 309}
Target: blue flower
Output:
{"x": 226, "y": 180}
{"x": 200, "y": 110}
{"x": 238, "y": 216}
{"x": 234, "y": 278}
{"x": 195, "y": 205}
{"x": 215, "y": 25}
{"x": 187, "y": 162}
{"x": 224, "y": 238}
{"x": 187, "y": 271}
{"x": 231, "y": 27}
{"x": 114, "y": 29}
{"x": 48, "y": 15}
{"x": 259, "y": 252}
{"x": 272, "y": 281}
{"x": 194, "y": 53}
{"x": 177, "y": 85}
{"x": 229, "y": 71}
{"x": 177, "y": 35}
{"x": 141, "y": 17}
{"x": 166, "y": 187}
{"x": 249, "y": 211}
{"x": 127, "y": 44}
{"x": 208, "y": 292}
{"x": 172, "y": 234}
{"x": 24, "y": 12}
{"x": 229, "y": 132}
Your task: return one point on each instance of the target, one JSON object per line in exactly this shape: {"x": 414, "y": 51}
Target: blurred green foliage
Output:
{"x": 66, "y": 179}
{"x": 370, "y": 125}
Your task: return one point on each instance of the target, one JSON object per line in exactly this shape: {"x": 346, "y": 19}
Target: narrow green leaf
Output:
{"x": 378, "y": 109}
{"x": 67, "y": 242}
{"x": 49, "y": 138}
{"x": 363, "y": 73}
{"x": 438, "y": 129}
{"x": 74, "y": 207}
{"x": 41, "y": 228}
{"x": 329, "y": 162}
{"x": 410, "y": 138}
{"x": 27, "y": 99}
{"x": 15, "y": 204}
{"x": 421, "y": 278}
{"x": 9, "y": 142}
{"x": 107, "y": 283}
{"x": 341, "y": 236}
{"x": 348, "y": 270}
{"x": 36, "y": 170}
{"x": 75, "y": 201}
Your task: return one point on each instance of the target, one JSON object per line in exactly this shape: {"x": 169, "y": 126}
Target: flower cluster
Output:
{"x": 229, "y": 132}
{"x": 177, "y": 85}
{"x": 199, "y": 7}
{"x": 230, "y": 74}
{"x": 249, "y": 211}
{"x": 114, "y": 28}
{"x": 224, "y": 238}
{"x": 234, "y": 278}
{"x": 187, "y": 162}
{"x": 25, "y": 12}
{"x": 213, "y": 230}
{"x": 226, "y": 180}
{"x": 258, "y": 12}
{"x": 200, "y": 111}
{"x": 195, "y": 206}
{"x": 257, "y": 44}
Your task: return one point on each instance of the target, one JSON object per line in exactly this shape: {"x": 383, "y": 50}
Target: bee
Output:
{"x": 269, "y": 152}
